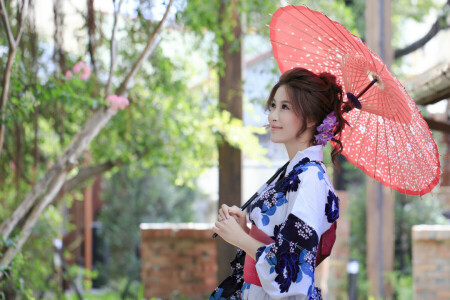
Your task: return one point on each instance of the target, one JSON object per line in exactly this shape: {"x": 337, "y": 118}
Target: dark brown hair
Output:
{"x": 312, "y": 98}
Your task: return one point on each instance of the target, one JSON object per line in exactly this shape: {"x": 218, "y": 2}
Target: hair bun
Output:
{"x": 330, "y": 80}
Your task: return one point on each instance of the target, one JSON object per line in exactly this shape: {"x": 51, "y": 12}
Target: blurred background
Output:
{"x": 118, "y": 203}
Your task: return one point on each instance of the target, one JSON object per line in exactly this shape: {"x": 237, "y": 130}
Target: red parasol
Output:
{"x": 387, "y": 138}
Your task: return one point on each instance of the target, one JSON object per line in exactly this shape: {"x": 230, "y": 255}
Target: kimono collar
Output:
{"x": 313, "y": 153}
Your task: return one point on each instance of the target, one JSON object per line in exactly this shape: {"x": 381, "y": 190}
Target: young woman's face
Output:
{"x": 284, "y": 123}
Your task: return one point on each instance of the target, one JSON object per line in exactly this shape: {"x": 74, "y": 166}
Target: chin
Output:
{"x": 275, "y": 140}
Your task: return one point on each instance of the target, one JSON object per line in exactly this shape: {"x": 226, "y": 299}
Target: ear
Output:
{"x": 310, "y": 124}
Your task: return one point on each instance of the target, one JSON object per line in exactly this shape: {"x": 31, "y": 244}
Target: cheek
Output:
{"x": 296, "y": 122}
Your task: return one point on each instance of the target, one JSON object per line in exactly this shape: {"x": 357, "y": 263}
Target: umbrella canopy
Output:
{"x": 387, "y": 138}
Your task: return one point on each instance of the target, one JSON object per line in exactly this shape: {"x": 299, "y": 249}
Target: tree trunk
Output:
{"x": 50, "y": 184}
{"x": 45, "y": 191}
{"x": 230, "y": 99}
{"x": 380, "y": 201}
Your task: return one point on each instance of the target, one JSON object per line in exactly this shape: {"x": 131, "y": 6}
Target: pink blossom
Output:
{"x": 86, "y": 72}
{"x": 77, "y": 67}
{"x": 12, "y": 165}
{"x": 68, "y": 74}
{"x": 117, "y": 102}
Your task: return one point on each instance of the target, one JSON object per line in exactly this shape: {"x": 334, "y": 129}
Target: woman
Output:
{"x": 292, "y": 212}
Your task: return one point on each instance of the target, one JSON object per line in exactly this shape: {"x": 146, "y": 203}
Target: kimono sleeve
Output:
{"x": 286, "y": 267}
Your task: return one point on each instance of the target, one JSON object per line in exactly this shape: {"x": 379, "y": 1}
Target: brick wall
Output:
{"x": 431, "y": 261}
{"x": 178, "y": 259}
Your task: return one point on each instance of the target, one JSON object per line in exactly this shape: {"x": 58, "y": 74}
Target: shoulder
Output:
{"x": 314, "y": 175}
{"x": 315, "y": 201}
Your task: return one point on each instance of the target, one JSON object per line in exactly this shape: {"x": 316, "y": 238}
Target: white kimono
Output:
{"x": 294, "y": 211}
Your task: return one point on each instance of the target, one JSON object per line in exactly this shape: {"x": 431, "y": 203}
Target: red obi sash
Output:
{"x": 325, "y": 245}
{"x": 250, "y": 274}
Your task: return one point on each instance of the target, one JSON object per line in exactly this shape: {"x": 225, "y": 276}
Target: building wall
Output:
{"x": 431, "y": 262}
{"x": 178, "y": 260}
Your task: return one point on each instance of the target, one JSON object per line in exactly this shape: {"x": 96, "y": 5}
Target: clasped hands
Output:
{"x": 231, "y": 224}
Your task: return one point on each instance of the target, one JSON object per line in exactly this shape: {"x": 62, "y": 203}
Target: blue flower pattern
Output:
{"x": 332, "y": 207}
{"x": 293, "y": 254}
{"x": 275, "y": 197}
{"x": 292, "y": 257}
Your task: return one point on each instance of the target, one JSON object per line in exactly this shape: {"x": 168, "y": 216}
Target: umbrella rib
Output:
{"x": 374, "y": 93}
{"x": 387, "y": 154}
{"x": 430, "y": 155}
{"x": 319, "y": 44}
{"x": 351, "y": 42}
{"x": 351, "y": 130}
{"x": 399, "y": 163}
{"x": 357, "y": 79}
{"x": 304, "y": 51}
{"x": 425, "y": 130}
{"x": 360, "y": 75}
{"x": 376, "y": 150}
{"x": 355, "y": 82}
{"x": 364, "y": 138}
{"x": 407, "y": 157}
{"x": 309, "y": 64}
{"x": 335, "y": 44}
{"x": 424, "y": 166}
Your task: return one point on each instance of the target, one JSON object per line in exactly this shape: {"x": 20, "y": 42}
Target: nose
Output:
{"x": 273, "y": 115}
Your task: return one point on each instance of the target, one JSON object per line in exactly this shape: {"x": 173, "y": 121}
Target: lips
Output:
{"x": 275, "y": 127}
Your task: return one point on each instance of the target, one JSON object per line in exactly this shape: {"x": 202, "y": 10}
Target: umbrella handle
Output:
{"x": 366, "y": 88}
{"x": 355, "y": 99}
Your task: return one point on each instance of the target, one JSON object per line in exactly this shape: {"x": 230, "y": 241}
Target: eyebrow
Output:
{"x": 282, "y": 101}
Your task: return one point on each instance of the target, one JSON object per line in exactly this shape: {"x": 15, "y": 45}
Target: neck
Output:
{"x": 293, "y": 148}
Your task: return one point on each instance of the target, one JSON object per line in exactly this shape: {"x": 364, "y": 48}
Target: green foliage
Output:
{"x": 31, "y": 269}
{"x": 170, "y": 125}
{"x": 132, "y": 196}
{"x": 402, "y": 285}
{"x": 409, "y": 211}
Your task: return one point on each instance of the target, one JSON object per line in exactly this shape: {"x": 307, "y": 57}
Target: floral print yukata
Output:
{"x": 294, "y": 211}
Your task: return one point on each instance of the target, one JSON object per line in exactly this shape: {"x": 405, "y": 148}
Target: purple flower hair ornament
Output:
{"x": 325, "y": 130}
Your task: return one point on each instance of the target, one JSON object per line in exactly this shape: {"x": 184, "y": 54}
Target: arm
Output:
{"x": 234, "y": 234}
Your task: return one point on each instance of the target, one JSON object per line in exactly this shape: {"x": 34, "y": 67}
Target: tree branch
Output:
{"x": 25, "y": 232}
{"x": 89, "y": 173}
{"x": 434, "y": 30}
{"x": 444, "y": 127}
{"x": 145, "y": 53}
{"x": 113, "y": 48}
{"x": 92, "y": 45}
{"x": 23, "y": 10}
{"x": 63, "y": 165}
{"x": 11, "y": 54}
{"x": 5, "y": 19}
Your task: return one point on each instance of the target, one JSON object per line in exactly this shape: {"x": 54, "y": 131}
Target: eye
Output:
{"x": 272, "y": 105}
{"x": 285, "y": 106}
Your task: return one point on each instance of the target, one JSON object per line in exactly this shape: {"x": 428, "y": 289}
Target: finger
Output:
{"x": 237, "y": 210}
{"x": 216, "y": 227}
{"x": 221, "y": 214}
{"x": 226, "y": 210}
